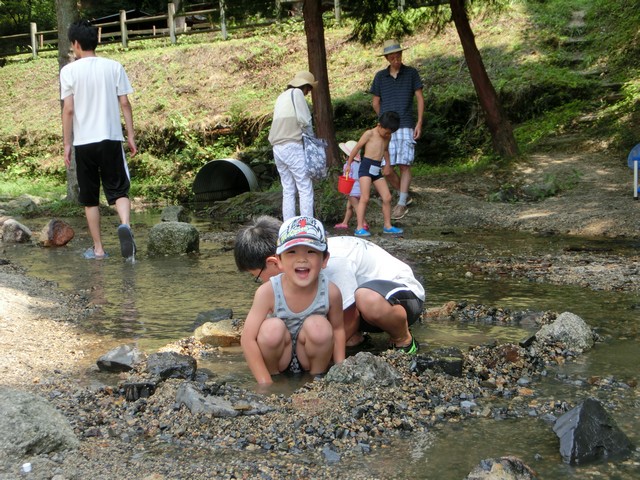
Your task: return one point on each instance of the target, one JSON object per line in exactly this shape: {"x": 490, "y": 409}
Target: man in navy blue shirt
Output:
{"x": 393, "y": 89}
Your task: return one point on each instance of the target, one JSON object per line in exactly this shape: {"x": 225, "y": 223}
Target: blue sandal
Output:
{"x": 392, "y": 230}
{"x": 362, "y": 233}
{"x": 90, "y": 254}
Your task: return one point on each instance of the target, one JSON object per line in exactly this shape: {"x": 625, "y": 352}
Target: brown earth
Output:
{"x": 595, "y": 197}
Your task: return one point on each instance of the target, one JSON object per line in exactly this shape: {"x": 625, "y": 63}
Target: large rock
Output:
{"x": 15, "y": 232}
{"x": 568, "y": 329}
{"x": 173, "y": 238}
{"x": 174, "y": 213}
{"x": 218, "y": 334}
{"x": 587, "y": 433}
{"x": 121, "y": 359}
{"x": 503, "y": 468}
{"x": 56, "y": 233}
{"x": 24, "y": 204}
{"x": 172, "y": 365}
{"x": 366, "y": 369}
{"x": 29, "y": 425}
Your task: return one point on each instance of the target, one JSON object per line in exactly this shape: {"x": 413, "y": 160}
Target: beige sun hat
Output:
{"x": 303, "y": 78}
{"x": 391, "y": 46}
{"x": 347, "y": 147}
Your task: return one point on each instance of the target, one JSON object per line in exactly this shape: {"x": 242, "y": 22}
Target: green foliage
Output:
{"x": 204, "y": 99}
{"x": 553, "y": 122}
{"x": 329, "y": 204}
{"x": 43, "y": 186}
{"x": 15, "y": 15}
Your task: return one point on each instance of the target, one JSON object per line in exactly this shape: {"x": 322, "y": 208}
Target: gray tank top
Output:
{"x": 293, "y": 321}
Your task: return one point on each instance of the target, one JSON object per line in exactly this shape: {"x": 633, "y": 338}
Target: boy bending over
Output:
{"x": 376, "y": 147}
{"x": 296, "y": 320}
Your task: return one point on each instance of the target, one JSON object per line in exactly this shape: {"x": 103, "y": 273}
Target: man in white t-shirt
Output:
{"x": 94, "y": 91}
{"x": 379, "y": 292}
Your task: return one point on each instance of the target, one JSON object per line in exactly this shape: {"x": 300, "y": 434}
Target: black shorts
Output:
{"x": 370, "y": 168}
{"x": 395, "y": 294}
{"x": 101, "y": 162}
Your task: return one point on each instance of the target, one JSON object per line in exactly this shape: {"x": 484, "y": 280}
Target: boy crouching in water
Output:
{"x": 376, "y": 148}
{"x": 295, "y": 321}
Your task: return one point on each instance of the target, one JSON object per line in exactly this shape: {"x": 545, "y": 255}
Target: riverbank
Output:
{"x": 42, "y": 352}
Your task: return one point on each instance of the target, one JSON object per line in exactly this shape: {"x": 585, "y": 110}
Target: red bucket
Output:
{"x": 345, "y": 184}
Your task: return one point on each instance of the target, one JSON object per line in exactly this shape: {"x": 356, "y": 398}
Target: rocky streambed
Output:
{"x": 355, "y": 412}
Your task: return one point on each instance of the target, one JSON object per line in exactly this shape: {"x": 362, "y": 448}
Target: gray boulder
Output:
{"x": 121, "y": 359}
{"x": 172, "y": 365}
{"x": 174, "y": 213}
{"x": 24, "y": 204}
{"x": 29, "y": 425}
{"x": 366, "y": 369}
{"x": 15, "y": 232}
{"x": 570, "y": 330}
{"x": 587, "y": 433}
{"x": 173, "y": 238}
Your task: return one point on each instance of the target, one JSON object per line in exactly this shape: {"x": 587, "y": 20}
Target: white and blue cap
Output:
{"x": 301, "y": 231}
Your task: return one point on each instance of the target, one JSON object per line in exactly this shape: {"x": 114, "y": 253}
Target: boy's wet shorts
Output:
{"x": 370, "y": 168}
{"x": 395, "y": 294}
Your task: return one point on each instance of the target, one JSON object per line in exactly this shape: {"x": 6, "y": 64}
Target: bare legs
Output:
{"x": 314, "y": 347}
{"x": 123, "y": 207}
{"x": 378, "y": 312}
{"x": 93, "y": 221}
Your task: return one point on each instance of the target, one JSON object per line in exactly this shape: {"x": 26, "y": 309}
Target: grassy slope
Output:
{"x": 205, "y": 82}
{"x": 209, "y": 81}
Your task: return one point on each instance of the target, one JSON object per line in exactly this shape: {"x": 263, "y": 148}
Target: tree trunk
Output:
{"x": 504, "y": 143}
{"x": 317, "y": 55}
{"x": 67, "y": 13}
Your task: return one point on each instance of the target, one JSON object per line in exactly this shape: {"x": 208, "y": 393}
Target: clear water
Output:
{"x": 156, "y": 301}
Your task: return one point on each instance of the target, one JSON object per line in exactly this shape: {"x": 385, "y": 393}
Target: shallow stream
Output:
{"x": 156, "y": 300}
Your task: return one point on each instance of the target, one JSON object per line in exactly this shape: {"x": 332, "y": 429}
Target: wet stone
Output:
{"x": 134, "y": 391}
{"x": 171, "y": 365}
{"x": 588, "y": 433}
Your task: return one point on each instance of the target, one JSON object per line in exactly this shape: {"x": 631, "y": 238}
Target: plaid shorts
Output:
{"x": 402, "y": 147}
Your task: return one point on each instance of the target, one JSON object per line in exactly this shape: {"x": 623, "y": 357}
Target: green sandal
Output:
{"x": 410, "y": 349}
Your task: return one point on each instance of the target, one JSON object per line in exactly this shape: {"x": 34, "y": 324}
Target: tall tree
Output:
{"x": 67, "y": 13}
{"x": 317, "y": 58}
{"x": 504, "y": 143}
{"x": 371, "y": 11}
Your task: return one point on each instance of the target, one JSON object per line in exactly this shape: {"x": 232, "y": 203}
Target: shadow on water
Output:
{"x": 156, "y": 301}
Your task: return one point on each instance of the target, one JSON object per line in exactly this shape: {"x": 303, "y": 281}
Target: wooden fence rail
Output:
{"x": 176, "y": 25}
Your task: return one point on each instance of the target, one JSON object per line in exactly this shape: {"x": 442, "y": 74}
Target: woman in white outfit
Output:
{"x": 291, "y": 117}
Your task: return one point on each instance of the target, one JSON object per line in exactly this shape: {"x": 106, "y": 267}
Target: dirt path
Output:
{"x": 595, "y": 195}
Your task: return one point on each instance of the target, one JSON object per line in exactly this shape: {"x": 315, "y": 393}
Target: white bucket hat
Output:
{"x": 303, "y": 78}
{"x": 346, "y": 147}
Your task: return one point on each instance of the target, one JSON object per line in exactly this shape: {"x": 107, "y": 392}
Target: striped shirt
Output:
{"x": 396, "y": 94}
